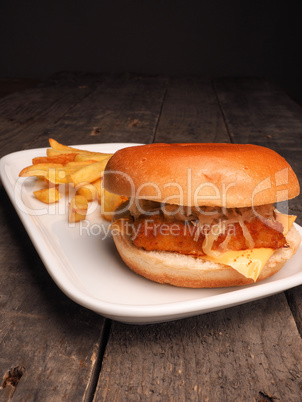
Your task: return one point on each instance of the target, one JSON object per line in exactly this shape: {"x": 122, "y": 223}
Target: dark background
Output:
{"x": 214, "y": 38}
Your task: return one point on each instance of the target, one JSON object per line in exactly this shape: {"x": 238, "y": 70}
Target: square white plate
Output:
{"x": 82, "y": 260}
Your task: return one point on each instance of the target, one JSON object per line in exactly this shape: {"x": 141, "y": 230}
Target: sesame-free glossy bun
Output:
{"x": 225, "y": 175}
{"x": 187, "y": 271}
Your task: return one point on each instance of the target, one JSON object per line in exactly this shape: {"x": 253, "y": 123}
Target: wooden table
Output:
{"x": 53, "y": 349}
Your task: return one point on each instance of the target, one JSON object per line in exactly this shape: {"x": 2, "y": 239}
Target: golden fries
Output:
{"x": 59, "y": 175}
{"x": 109, "y": 203}
{"x": 79, "y": 165}
{"x": 98, "y": 185}
{"x": 88, "y": 173}
{"x": 54, "y": 172}
{"x": 78, "y": 207}
{"x": 55, "y": 145}
{"x": 62, "y": 159}
{"x": 48, "y": 195}
{"x": 66, "y": 149}
{"x": 57, "y": 152}
{"x": 90, "y": 191}
{"x": 38, "y": 169}
{"x": 92, "y": 157}
{"x": 77, "y": 168}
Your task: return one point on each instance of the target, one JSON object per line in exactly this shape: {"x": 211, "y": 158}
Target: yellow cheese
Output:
{"x": 250, "y": 262}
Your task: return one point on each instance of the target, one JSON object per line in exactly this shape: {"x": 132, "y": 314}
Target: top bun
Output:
{"x": 223, "y": 175}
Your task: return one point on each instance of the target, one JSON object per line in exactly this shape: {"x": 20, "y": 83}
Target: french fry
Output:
{"x": 54, "y": 172}
{"x": 62, "y": 159}
{"x": 109, "y": 203}
{"x": 78, "y": 207}
{"x": 60, "y": 147}
{"x": 48, "y": 195}
{"x": 78, "y": 165}
{"x": 88, "y": 173}
{"x": 56, "y": 145}
{"x": 48, "y": 183}
{"x": 56, "y": 152}
{"x": 59, "y": 175}
{"x": 98, "y": 185}
{"x": 96, "y": 157}
{"x": 89, "y": 191}
{"x": 39, "y": 169}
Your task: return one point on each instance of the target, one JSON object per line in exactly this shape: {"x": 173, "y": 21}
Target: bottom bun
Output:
{"x": 191, "y": 272}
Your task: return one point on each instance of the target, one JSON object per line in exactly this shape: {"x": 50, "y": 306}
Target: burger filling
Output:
{"x": 203, "y": 230}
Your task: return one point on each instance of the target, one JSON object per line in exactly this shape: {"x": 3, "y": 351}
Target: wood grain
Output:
{"x": 249, "y": 352}
{"x": 191, "y": 113}
{"x": 257, "y": 111}
{"x": 241, "y": 354}
{"x": 56, "y": 341}
{"x": 25, "y": 118}
{"x": 123, "y": 108}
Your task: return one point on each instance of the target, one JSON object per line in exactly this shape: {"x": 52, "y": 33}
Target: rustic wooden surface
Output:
{"x": 61, "y": 351}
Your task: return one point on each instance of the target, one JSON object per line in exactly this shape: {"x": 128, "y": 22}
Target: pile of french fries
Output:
{"x": 80, "y": 169}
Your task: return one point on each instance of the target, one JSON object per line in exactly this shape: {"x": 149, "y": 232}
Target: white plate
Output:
{"x": 82, "y": 259}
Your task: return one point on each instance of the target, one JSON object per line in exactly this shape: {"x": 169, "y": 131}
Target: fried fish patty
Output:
{"x": 160, "y": 234}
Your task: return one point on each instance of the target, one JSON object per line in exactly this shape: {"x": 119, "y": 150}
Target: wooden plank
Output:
{"x": 86, "y": 109}
{"x": 124, "y": 108}
{"x": 23, "y": 117}
{"x": 55, "y": 340}
{"x": 190, "y": 113}
{"x": 244, "y": 353}
{"x": 257, "y": 111}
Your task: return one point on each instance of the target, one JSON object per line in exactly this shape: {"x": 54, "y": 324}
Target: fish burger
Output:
{"x": 203, "y": 215}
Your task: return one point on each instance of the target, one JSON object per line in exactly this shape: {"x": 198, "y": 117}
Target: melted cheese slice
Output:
{"x": 250, "y": 262}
